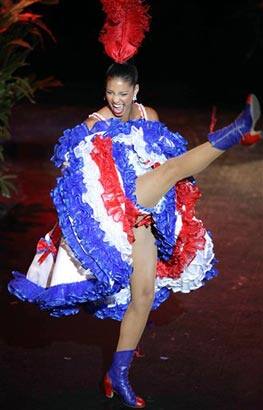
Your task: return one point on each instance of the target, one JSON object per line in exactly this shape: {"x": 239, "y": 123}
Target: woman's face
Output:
{"x": 120, "y": 95}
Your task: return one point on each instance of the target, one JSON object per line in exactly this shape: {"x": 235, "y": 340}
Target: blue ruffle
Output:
{"x": 83, "y": 233}
{"x": 59, "y": 300}
{"x": 159, "y": 139}
{"x": 80, "y": 230}
{"x": 212, "y": 272}
{"x": 67, "y": 142}
{"x": 102, "y": 311}
{"x": 65, "y": 299}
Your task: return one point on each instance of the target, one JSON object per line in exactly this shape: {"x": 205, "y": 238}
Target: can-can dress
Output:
{"x": 86, "y": 259}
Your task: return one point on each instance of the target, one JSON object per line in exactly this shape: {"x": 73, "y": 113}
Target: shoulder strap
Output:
{"x": 97, "y": 116}
{"x": 142, "y": 111}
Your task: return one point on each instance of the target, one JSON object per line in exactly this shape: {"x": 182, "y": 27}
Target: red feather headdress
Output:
{"x": 124, "y": 28}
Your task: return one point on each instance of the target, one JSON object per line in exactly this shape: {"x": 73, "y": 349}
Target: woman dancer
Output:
{"x": 127, "y": 234}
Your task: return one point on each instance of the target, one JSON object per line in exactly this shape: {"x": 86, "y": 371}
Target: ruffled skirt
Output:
{"x": 86, "y": 259}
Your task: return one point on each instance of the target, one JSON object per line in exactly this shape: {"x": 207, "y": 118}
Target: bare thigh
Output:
{"x": 144, "y": 254}
{"x": 151, "y": 186}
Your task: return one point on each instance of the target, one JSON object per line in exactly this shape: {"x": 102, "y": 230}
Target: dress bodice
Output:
{"x": 141, "y": 108}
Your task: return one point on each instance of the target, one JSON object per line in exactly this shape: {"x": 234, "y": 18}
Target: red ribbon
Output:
{"x": 46, "y": 247}
{"x": 50, "y": 246}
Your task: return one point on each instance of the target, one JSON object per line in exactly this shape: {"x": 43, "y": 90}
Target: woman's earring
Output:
{"x": 134, "y": 98}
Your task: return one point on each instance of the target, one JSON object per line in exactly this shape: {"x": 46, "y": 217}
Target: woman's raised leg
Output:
{"x": 151, "y": 186}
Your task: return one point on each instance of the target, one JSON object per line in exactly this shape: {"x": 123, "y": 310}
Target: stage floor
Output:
{"x": 201, "y": 350}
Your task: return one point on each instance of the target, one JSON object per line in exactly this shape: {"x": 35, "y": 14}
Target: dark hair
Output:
{"x": 126, "y": 71}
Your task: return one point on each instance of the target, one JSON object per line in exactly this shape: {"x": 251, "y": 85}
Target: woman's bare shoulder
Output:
{"x": 152, "y": 114}
{"x": 92, "y": 119}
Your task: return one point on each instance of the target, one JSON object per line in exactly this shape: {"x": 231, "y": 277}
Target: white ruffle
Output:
{"x": 191, "y": 278}
{"x": 193, "y": 275}
{"x": 66, "y": 268}
{"x": 114, "y": 234}
{"x": 136, "y": 139}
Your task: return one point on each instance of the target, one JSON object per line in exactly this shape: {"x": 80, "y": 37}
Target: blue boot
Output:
{"x": 237, "y": 131}
{"x": 116, "y": 380}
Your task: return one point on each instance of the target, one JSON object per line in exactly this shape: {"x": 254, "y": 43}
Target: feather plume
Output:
{"x": 124, "y": 28}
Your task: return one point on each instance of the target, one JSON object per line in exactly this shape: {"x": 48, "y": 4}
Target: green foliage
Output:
{"x": 6, "y": 185}
{"x": 21, "y": 31}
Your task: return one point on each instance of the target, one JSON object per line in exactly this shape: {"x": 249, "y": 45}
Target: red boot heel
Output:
{"x": 108, "y": 390}
{"x": 116, "y": 380}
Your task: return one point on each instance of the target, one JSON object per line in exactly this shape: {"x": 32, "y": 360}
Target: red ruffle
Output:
{"x": 191, "y": 237}
{"x": 118, "y": 206}
{"x": 192, "y": 234}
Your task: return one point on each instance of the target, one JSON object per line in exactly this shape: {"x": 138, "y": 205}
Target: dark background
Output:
{"x": 195, "y": 52}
